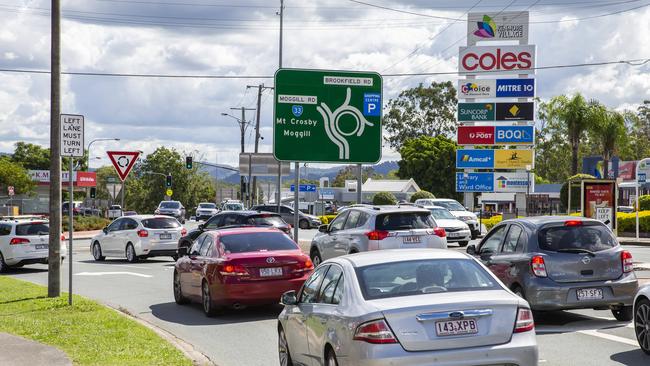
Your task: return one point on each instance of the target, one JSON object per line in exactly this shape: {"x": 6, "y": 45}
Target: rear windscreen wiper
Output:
{"x": 577, "y": 250}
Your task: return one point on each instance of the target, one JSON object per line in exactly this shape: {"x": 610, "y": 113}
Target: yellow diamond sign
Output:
{"x": 514, "y": 110}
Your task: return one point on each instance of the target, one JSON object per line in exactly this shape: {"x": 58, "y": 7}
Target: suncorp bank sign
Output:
{"x": 497, "y": 59}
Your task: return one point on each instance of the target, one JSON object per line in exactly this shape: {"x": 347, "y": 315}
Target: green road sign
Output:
{"x": 476, "y": 111}
{"x": 327, "y": 116}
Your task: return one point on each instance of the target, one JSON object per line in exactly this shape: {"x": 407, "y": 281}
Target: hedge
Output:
{"x": 86, "y": 223}
{"x": 384, "y": 198}
{"x": 626, "y": 221}
{"x": 420, "y": 195}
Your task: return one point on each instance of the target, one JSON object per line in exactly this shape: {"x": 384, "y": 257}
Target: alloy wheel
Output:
{"x": 283, "y": 349}
{"x": 331, "y": 359}
{"x": 207, "y": 303}
{"x": 642, "y": 325}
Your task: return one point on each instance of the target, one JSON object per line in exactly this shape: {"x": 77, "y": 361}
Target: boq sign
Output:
{"x": 497, "y": 59}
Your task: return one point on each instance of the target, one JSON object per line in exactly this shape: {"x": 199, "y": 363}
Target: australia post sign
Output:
{"x": 496, "y": 135}
{"x": 497, "y": 59}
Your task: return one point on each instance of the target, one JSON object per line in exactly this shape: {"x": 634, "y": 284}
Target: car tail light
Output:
{"x": 376, "y": 332}
{"x": 303, "y": 265}
{"x": 233, "y": 270}
{"x": 538, "y": 266}
{"x": 572, "y": 223}
{"x": 439, "y": 231}
{"x": 15, "y": 241}
{"x": 62, "y": 237}
{"x": 183, "y": 231}
{"x": 524, "y": 321}
{"x": 626, "y": 260}
{"x": 377, "y": 235}
{"x": 143, "y": 233}
{"x": 290, "y": 227}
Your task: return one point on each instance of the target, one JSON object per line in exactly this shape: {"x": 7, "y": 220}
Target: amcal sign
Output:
{"x": 497, "y": 59}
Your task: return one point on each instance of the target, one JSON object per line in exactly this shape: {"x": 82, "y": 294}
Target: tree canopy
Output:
{"x": 12, "y": 174}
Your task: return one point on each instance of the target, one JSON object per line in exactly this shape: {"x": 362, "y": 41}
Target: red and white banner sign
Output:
{"x": 475, "y": 135}
{"x": 497, "y": 59}
{"x": 79, "y": 179}
{"x": 123, "y": 161}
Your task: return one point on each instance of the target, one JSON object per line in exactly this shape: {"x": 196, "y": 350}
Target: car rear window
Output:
{"x": 591, "y": 237}
{"x": 256, "y": 242}
{"x": 207, "y": 205}
{"x": 266, "y": 221}
{"x": 408, "y": 278}
{"x": 161, "y": 223}
{"x": 404, "y": 221}
{"x": 33, "y": 229}
{"x": 233, "y": 207}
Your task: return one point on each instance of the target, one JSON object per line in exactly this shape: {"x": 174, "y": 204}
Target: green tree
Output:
{"x": 568, "y": 116}
{"x": 36, "y": 157}
{"x": 575, "y": 191}
{"x": 607, "y": 131}
{"x": 421, "y": 111}
{"x": 384, "y": 198}
{"x": 422, "y": 195}
{"x": 350, "y": 173}
{"x": 431, "y": 161}
{"x": 12, "y": 174}
{"x": 638, "y": 130}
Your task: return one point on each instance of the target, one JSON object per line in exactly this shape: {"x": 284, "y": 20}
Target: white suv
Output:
{"x": 25, "y": 241}
{"x": 457, "y": 210}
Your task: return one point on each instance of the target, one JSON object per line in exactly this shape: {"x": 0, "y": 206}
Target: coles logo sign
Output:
{"x": 497, "y": 59}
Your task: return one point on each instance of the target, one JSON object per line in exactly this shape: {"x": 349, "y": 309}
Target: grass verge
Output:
{"x": 90, "y": 333}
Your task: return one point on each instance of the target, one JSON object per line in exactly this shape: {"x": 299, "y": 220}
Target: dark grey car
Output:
{"x": 559, "y": 263}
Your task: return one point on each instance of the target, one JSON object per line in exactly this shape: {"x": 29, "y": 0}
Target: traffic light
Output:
{"x": 168, "y": 180}
{"x": 188, "y": 162}
{"x": 93, "y": 192}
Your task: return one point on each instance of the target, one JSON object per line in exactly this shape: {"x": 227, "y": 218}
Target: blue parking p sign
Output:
{"x": 371, "y": 104}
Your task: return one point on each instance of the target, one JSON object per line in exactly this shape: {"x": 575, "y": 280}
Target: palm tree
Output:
{"x": 572, "y": 114}
{"x": 607, "y": 129}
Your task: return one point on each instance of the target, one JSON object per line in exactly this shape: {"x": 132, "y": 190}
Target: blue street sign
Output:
{"x": 474, "y": 182}
{"x": 304, "y": 188}
{"x": 515, "y": 88}
{"x": 642, "y": 177}
{"x": 469, "y": 159}
{"x": 514, "y": 135}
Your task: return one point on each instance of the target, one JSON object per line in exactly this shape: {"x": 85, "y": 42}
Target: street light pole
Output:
{"x": 242, "y": 127}
{"x": 91, "y": 144}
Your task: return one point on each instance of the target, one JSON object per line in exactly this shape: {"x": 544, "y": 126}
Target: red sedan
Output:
{"x": 239, "y": 267}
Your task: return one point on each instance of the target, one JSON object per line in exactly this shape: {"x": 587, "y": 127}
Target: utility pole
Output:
{"x": 279, "y": 182}
{"x": 242, "y": 129}
{"x": 54, "y": 256}
{"x": 260, "y": 89}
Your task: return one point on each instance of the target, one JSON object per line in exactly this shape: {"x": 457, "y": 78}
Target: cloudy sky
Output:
{"x": 240, "y": 37}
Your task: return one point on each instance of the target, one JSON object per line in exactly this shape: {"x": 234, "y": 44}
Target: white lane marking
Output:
{"x": 609, "y": 337}
{"x": 115, "y": 265}
{"x": 112, "y": 273}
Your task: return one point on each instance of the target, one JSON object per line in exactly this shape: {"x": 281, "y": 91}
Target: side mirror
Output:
{"x": 201, "y": 226}
{"x": 323, "y": 228}
{"x": 105, "y": 229}
{"x": 289, "y": 298}
{"x": 182, "y": 251}
{"x": 471, "y": 249}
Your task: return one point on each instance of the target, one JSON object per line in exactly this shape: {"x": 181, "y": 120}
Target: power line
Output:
{"x": 632, "y": 62}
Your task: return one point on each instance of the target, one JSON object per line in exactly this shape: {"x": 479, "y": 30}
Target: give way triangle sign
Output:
{"x": 123, "y": 161}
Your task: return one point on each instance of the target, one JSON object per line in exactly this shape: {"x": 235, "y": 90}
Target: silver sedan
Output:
{"x": 405, "y": 307}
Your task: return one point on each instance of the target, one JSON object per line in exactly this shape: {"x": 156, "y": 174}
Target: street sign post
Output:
{"x": 642, "y": 172}
{"x": 72, "y": 146}
{"x": 327, "y": 116}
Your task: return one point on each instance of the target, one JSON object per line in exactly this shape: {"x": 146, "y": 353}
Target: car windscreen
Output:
{"x": 592, "y": 237}
{"x": 256, "y": 242}
{"x": 404, "y": 221}
{"x": 34, "y": 228}
{"x": 418, "y": 277}
{"x": 161, "y": 223}
{"x": 450, "y": 205}
{"x": 209, "y": 206}
{"x": 169, "y": 205}
{"x": 266, "y": 220}
{"x": 233, "y": 207}
{"x": 441, "y": 214}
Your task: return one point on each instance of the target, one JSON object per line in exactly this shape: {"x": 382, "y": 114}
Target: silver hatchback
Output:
{"x": 364, "y": 228}
{"x": 405, "y": 307}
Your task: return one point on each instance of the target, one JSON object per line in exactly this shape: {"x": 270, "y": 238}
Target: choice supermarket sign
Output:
{"x": 493, "y": 182}
{"x": 497, "y": 59}
{"x": 500, "y": 88}
{"x": 494, "y": 159}
{"x": 496, "y": 135}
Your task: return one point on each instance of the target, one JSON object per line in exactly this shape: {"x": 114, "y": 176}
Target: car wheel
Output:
{"x": 97, "y": 252}
{"x": 178, "y": 293}
{"x": 463, "y": 244}
{"x": 131, "y": 257}
{"x": 283, "y": 349}
{"x": 330, "y": 359}
{"x": 316, "y": 259}
{"x": 623, "y": 313}
{"x": 303, "y": 224}
{"x": 642, "y": 325}
{"x": 209, "y": 308}
{"x": 3, "y": 266}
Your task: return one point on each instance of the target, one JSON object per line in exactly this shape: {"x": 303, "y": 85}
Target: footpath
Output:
{"x": 19, "y": 351}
